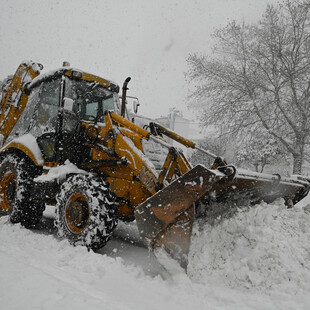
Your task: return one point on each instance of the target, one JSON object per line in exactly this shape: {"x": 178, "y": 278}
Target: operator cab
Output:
{"x": 58, "y": 103}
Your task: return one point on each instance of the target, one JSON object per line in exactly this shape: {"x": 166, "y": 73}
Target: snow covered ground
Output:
{"x": 258, "y": 259}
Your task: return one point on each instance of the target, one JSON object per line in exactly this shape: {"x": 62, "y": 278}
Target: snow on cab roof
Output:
{"x": 74, "y": 72}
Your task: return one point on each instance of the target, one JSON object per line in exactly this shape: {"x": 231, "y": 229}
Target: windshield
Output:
{"x": 91, "y": 100}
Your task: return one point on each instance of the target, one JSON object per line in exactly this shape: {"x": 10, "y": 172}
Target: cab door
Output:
{"x": 45, "y": 119}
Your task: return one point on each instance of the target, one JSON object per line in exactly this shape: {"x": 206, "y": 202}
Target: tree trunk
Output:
{"x": 256, "y": 166}
{"x": 298, "y": 156}
{"x": 297, "y": 163}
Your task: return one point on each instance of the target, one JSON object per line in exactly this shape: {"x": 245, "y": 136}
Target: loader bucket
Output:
{"x": 165, "y": 220}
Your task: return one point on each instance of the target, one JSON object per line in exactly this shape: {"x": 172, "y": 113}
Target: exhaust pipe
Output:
{"x": 124, "y": 94}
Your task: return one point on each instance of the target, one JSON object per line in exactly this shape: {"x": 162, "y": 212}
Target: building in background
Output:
{"x": 176, "y": 122}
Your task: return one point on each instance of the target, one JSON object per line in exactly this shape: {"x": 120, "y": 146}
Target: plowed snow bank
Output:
{"x": 266, "y": 247}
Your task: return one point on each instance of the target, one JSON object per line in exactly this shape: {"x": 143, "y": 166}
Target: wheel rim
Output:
{"x": 7, "y": 190}
{"x": 77, "y": 213}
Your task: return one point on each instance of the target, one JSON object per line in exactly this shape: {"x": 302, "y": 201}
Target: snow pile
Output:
{"x": 48, "y": 273}
{"x": 231, "y": 266}
{"x": 265, "y": 248}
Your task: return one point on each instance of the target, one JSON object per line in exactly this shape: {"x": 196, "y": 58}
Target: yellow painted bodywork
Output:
{"x": 90, "y": 78}
{"x": 14, "y": 100}
{"x": 135, "y": 181}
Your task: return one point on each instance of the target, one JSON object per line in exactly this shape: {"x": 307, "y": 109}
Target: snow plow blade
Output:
{"x": 165, "y": 220}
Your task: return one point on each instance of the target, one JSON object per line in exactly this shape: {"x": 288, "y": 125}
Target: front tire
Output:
{"x": 16, "y": 197}
{"x": 86, "y": 211}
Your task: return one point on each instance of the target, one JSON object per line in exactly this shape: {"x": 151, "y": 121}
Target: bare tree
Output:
{"x": 259, "y": 78}
{"x": 260, "y": 152}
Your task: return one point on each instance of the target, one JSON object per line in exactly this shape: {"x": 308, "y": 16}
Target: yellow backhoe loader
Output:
{"x": 66, "y": 139}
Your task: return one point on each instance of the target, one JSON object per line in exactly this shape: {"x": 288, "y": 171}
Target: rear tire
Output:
{"x": 16, "y": 197}
{"x": 86, "y": 211}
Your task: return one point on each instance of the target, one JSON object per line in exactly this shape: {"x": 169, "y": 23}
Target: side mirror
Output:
{"x": 68, "y": 104}
{"x": 136, "y": 104}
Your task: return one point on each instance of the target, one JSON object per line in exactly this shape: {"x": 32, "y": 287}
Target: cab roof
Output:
{"x": 75, "y": 74}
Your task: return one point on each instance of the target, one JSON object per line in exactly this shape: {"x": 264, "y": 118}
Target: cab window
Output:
{"x": 91, "y": 100}
{"x": 45, "y": 115}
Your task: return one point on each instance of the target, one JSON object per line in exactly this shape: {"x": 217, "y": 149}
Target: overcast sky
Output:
{"x": 148, "y": 40}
